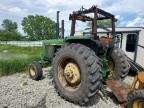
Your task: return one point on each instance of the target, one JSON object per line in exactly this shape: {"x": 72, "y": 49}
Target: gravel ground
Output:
{"x": 19, "y": 91}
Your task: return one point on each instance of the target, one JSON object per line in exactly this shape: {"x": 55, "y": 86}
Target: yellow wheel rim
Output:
{"x": 32, "y": 71}
{"x": 72, "y": 73}
{"x": 138, "y": 104}
{"x": 69, "y": 76}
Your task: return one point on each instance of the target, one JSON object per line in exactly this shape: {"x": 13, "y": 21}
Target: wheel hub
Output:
{"x": 72, "y": 73}
{"x": 32, "y": 71}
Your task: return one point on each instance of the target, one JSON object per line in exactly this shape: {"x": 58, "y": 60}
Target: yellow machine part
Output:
{"x": 138, "y": 82}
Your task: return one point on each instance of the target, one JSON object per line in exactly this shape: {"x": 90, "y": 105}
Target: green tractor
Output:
{"x": 82, "y": 64}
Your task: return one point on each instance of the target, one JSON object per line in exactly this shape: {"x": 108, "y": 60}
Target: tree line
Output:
{"x": 35, "y": 27}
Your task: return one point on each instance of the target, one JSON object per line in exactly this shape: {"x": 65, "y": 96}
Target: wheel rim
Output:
{"x": 138, "y": 104}
{"x": 69, "y": 76}
{"x": 32, "y": 71}
{"x": 72, "y": 73}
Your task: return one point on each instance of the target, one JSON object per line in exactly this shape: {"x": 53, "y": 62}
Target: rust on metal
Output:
{"x": 73, "y": 25}
{"x": 99, "y": 14}
{"x": 95, "y": 23}
{"x": 62, "y": 27}
{"x": 119, "y": 89}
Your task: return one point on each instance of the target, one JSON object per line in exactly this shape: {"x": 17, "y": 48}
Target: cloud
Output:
{"x": 137, "y": 22}
{"x": 128, "y": 11}
{"x": 126, "y": 6}
{"x": 125, "y": 10}
{"x": 15, "y": 9}
{"x": 117, "y": 16}
{"x": 18, "y": 11}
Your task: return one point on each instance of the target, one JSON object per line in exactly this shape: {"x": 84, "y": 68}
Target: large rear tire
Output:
{"x": 77, "y": 73}
{"x": 119, "y": 64}
{"x": 136, "y": 99}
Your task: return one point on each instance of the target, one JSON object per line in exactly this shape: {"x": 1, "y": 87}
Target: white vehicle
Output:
{"x": 131, "y": 42}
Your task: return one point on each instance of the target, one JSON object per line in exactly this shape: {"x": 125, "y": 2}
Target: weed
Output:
{"x": 14, "y": 61}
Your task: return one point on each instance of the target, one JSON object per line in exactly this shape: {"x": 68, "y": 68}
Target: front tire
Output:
{"x": 35, "y": 71}
{"x": 85, "y": 77}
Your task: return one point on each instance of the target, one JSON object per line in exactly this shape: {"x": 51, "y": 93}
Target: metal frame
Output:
{"x": 136, "y": 47}
{"x": 99, "y": 14}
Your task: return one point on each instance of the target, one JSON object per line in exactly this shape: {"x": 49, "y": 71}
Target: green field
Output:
{"x": 14, "y": 59}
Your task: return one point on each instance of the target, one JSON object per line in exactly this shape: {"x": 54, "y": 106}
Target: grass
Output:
{"x": 14, "y": 59}
{"x": 20, "y": 50}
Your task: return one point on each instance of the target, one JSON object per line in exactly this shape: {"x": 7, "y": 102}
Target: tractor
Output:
{"x": 81, "y": 65}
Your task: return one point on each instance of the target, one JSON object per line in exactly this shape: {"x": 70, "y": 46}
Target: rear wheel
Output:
{"x": 35, "y": 71}
{"x": 77, "y": 73}
{"x": 136, "y": 99}
{"x": 118, "y": 64}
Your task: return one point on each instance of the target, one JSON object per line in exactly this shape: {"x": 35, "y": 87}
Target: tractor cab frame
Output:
{"x": 99, "y": 14}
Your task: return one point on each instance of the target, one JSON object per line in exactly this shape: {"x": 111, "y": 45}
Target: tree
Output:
{"x": 9, "y": 36}
{"x": 38, "y": 27}
{"x": 8, "y": 25}
{"x": 9, "y": 32}
{"x": 102, "y": 23}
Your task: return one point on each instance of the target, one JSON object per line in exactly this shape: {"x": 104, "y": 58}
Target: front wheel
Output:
{"x": 77, "y": 73}
{"x": 35, "y": 71}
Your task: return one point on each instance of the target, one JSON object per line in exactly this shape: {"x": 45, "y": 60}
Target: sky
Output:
{"x": 130, "y": 13}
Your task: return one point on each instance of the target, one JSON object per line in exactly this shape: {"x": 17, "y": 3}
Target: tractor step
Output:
{"x": 119, "y": 89}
